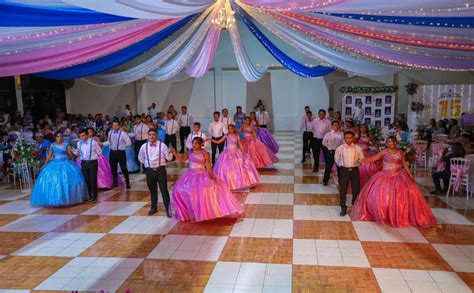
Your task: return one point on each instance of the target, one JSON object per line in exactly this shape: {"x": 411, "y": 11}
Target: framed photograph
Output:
{"x": 378, "y": 113}
{"x": 348, "y": 111}
{"x": 386, "y": 122}
{"x": 358, "y": 101}
{"x": 368, "y": 111}
{"x": 367, "y": 121}
{"x": 388, "y": 99}
{"x": 348, "y": 100}
{"x": 368, "y": 100}
{"x": 388, "y": 111}
{"x": 378, "y": 102}
{"x": 378, "y": 123}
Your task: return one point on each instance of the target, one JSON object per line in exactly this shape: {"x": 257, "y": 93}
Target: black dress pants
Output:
{"x": 157, "y": 177}
{"x": 183, "y": 135}
{"x": 119, "y": 157}
{"x": 307, "y": 141}
{"x": 347, "y": 175}
{"x": 214, "y": 147}
{"x": 89, "y": 171}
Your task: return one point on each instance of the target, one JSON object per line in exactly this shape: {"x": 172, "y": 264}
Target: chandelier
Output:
{"x": 225, "y": 18}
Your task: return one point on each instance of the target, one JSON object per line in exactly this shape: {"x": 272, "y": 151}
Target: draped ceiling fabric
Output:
{"x": 111, "y": 42}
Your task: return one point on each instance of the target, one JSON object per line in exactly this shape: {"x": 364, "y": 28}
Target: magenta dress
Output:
{"x": 260, "y": 154}
{"x": 367, "y": 170}
{"x": 196, "y": 197}
{"x": 235, "y": 167}
{"x": 266, "y": 137}
{"x": 391, "y": 197}
{"x": 104, "y": 173}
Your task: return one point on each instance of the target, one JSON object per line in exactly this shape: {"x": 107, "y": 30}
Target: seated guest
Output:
{"x": 441, "y": 128}
{"x": 457, "y": 151}
{"x": 454, "y": 129}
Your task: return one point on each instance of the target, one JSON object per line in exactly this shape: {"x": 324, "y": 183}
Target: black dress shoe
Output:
{"x": 315, "y": 170}
{"x": 128, "y": 186}
{"x": 343, "y": 211}
{"x": 435, "y": 192}
{"x": 168, "y": 214}
{"x": 152, "y": 212}
{"x": 325, "y": 184}
{"x": 303, "y": 161}
{"x": 114, "y": 186}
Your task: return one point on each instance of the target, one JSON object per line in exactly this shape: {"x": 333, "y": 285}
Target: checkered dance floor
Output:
{"x": 290, "y": 238}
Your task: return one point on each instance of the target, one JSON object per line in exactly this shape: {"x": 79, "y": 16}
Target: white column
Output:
{"x": 19, "y": 96}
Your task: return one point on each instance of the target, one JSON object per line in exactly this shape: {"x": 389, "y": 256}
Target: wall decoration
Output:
{"x": 381, "y": 110}
{"x": 368, "y": 89}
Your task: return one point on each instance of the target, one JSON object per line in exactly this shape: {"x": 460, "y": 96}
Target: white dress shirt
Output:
{"x": 153, "y": 112}
{"x": 171, "y": 126}
{"x": 119, "y": 140}
{"x": 154, "y": 155}
{"x": 306, "y": 124}
{"x": 227, "y": 120}
{"x": 189, "y": 140}
{"x": 358, "y": 114}
{"x": 141, "y": 131}
{"x": 127, "y": 113}
{"x": 320, "y": 127}
{"x": 88, "y": 150}
{"x": 217, "y": 129}
{"x": 185, "y": 120}
{"x": 348, "y": 155}
{"x": 333, "y": 139}
{"x": 263, "y": 118}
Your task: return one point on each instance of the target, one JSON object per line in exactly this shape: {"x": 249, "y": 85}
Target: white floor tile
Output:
{"x": 145, "y": 225}
{"x": 115, "y": 208}
{"x": 449, "y": 216}
{"x": 19, "y": 207}
{"x": 36, "y": 223}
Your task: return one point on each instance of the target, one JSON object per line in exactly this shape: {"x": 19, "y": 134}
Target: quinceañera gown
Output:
{"x": 197, "y": 197}
{"x": 260, "y": 154}
{"x": 367, "y": 170}
{"x": 60, "y": 183}
{"x": 267, "y": 138}
{"x": 104, "y": 173}
{"x": 391, "y": 197}
{"x": 235, "y": 167}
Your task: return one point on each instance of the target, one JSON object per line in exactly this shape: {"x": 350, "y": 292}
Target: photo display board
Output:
{"x": 378, "y": 109}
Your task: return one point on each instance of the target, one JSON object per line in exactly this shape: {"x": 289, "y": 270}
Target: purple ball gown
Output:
{"x": 268, "y": 140}
{"x": 260, "y": 154}
{"x": 196, "y": 197}
{"x": 391, "y": 197}
{"x": 236, "y": 168}
{"x": 367, "y": 170}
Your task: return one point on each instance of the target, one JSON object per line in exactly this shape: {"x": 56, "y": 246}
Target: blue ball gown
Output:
{"x": 132, "y": 165}
{"x": 60, "y": 183}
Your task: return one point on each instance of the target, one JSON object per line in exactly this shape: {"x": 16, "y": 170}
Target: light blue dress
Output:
{"x": 132, "y": 165}
{"x": 60, "y": 183}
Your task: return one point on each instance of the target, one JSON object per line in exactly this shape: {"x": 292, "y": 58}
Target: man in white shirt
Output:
{"x": 319, "y": 127}
{"x": 347, "y": 158}
{"x": 331, "y": 141}
{"x": 153, "y": 155}
{"x": 171, "y": 127}
{"x": 226, "y": 118}
{"x": 263, "y": 118}
{"x": 307, "y": 134}
{"x": 118, "y": 142}
{"x": 196, "y": 133}
{"x": 359, "y": 113}
{"x": 140, "y": 130}
{"x": 153, "y": 111}
{"x": 128, "y": 111}
{"x": 185, "y": 121}
{"x": 217, "y": 129}
{"x": 89, "y": 150}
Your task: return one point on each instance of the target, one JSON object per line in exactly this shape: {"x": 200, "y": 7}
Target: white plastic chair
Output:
{"x": 421, "y": 147}
{"x": 435, "y": 154}
{"x": 460, "y": 175}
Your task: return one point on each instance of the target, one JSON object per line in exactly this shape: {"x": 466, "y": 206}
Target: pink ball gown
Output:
{"x": 196, "y": 197}
{"x": 367, "y": 170}
{"x": 235, "y": 167}
{"x": 266, "y": 137}
{"x": 104, "y": 173}
{"x": 260, "y": 154}
{"x": 391, "y": 197}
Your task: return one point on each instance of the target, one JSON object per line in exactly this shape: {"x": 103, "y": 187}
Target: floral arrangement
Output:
{"x": 417, "y": 106}
{"x": 25, "y": 151}
{"x": 408, "y": 150}
{"x": 368, "y": 90}
{"x": 376, "y": 133}
{"x": 412, "y": 88}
